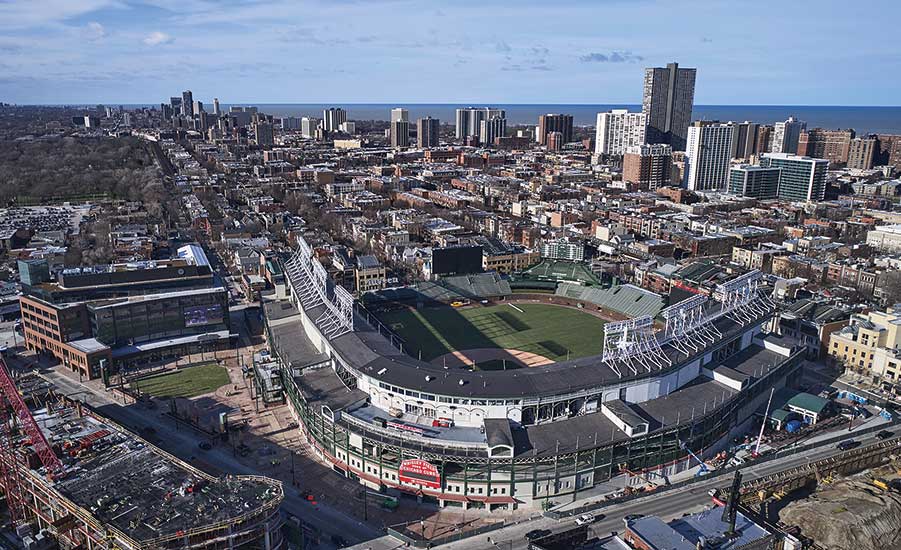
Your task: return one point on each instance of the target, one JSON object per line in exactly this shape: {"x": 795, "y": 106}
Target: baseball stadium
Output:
{"x": 469, "y": 394}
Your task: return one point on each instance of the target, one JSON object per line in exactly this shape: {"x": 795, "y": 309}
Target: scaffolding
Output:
{"x": 111, "y": 489}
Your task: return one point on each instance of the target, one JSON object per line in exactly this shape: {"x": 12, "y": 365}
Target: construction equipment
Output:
{"x": 704, "y": 469}
{"x": 14, "y": 410}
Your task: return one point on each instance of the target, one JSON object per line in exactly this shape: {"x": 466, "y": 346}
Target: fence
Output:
{"x": 557, "y": 515}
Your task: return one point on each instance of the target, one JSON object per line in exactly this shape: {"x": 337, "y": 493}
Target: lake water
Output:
{"x": 862, "y": 119}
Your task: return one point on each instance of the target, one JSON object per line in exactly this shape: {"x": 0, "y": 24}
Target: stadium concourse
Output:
{"x": 660, "y": 393}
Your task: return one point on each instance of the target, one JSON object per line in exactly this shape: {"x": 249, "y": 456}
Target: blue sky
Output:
{"x": 466, "y": 51}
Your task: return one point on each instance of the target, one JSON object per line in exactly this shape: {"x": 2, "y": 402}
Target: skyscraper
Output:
{"x": 308, "y": 126}
{"x": 861, "y": 153}
{"x": 745, "y": 143}
{"x": 187, "y": 103}
{"x": 469, "y": 120}
{"x": 832, "y": 145}
{"x": 400, "y": 114}
{"x": 491, "y": 128}
{"x": 707, "y": 154}
{"x": 801, "y": 178}
{"x": 400, "y": 133}
{"x": 786, "y": 135}
{"x": 554, "y": 123}
{"x": 332, "y": 118}
{"x": 427, "y": 132}
{"x": 262, "y": 132}
{"x": 669, "y": 94}
{"x": 618, "y": 130}
{"x": 290, "y": 123}
{"x": 198, "y": 107}
{"x": 648, "y": 165}
{"x": 216, "y": 110}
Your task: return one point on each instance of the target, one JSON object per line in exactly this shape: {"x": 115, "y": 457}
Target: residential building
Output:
{"x": 744, "y": 145}
{"x": 308, "y": 126}
{"x": 812, "y": 321}
{"x": 555, "y": 141}
{"x": 886, "y": 238}
{"x": 290, "y": 123}
{"x": 707, "y": 156}
{"x": 554, "y": 123}
{"x": 399, "y": 114}
{"x": 801, "y": 178}
{"x": 754, "y": 181}
{"x": 187, "y": 104}
{"x": 668, "y": 99}
{"x": 400, "y": 133}
{"x": 332, "y": 118}
{"x": 263, "y": 135}
{"x": 832, "y": 145}
{"x": 469, "y": 120}
{"x": 786, "y": 135}
{"x": 889, "y": 150}
{"x": 648, "y": 165}
{"x": 370, "y": 274}
{"x": 861, "y": 153}
{"x": 427, "y": 132}
{"x": 870, "y": 345}
{"x": 618, "y": 130}
{"x": 492, "y": 128}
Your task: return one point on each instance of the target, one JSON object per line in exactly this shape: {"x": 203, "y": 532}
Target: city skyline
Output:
{"x": 274, "y": 52}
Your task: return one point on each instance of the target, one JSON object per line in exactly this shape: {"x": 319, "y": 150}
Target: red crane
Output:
{"x": 10, "y": 475}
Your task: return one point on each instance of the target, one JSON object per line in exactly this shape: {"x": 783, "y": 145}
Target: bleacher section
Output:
{"x": 629, "y": 300}
{"x": 558, "y": 271}
{"x": 446, "y": 289}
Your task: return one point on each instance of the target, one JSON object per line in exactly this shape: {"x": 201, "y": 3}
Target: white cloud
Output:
{"x": 94, "y": 31}
{"x": 156, "y": 38}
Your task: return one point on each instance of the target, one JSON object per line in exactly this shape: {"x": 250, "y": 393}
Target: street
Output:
{"x": 667, "y": 505}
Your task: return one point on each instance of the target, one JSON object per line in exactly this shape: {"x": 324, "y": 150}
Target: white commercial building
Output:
{"x": 886, "y": 238}
{"x": 618, "y": 130}
{"x": 707, "y": 156}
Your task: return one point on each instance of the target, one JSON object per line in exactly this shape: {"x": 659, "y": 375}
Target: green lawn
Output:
{"x": 550, "y": 331}
{"x": 189, "y": 382}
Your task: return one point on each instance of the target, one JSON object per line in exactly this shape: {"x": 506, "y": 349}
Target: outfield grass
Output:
{"x": 547, "y": 330}
{"x": 189, "y": 382}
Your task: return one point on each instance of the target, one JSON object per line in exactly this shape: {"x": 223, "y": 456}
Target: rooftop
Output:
{"x": 121, "y": 480}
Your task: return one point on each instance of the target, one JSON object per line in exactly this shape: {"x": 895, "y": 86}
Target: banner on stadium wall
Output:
{"x": 419, "y": 472}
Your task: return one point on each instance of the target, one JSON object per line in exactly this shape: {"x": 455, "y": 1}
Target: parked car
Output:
{"x": 584, "y": 519}
{"x": 847, "y": 445}
{"x": 884, "y": 434}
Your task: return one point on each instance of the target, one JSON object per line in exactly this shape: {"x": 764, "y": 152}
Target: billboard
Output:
{"x": 419, "y": 472}
{"x": 457, "y": 260}
{"x": 197, "y": 316}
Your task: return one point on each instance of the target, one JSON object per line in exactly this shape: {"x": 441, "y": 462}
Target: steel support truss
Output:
{"x": 688, "y": 327}
{"x": 632, "y": 345}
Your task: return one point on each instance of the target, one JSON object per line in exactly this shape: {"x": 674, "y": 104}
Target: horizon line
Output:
{"x": 488, "y": 103}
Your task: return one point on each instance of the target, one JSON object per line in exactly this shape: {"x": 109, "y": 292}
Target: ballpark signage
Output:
{"x": 419, "y": 472}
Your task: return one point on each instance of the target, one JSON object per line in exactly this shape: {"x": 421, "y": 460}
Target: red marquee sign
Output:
{"x": 419, "y": 472}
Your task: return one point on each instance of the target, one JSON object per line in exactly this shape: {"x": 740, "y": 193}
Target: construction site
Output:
{"x": 74, "y": 479}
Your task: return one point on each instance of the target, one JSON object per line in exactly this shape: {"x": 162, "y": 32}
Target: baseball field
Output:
{"x": 497, "y": 336}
